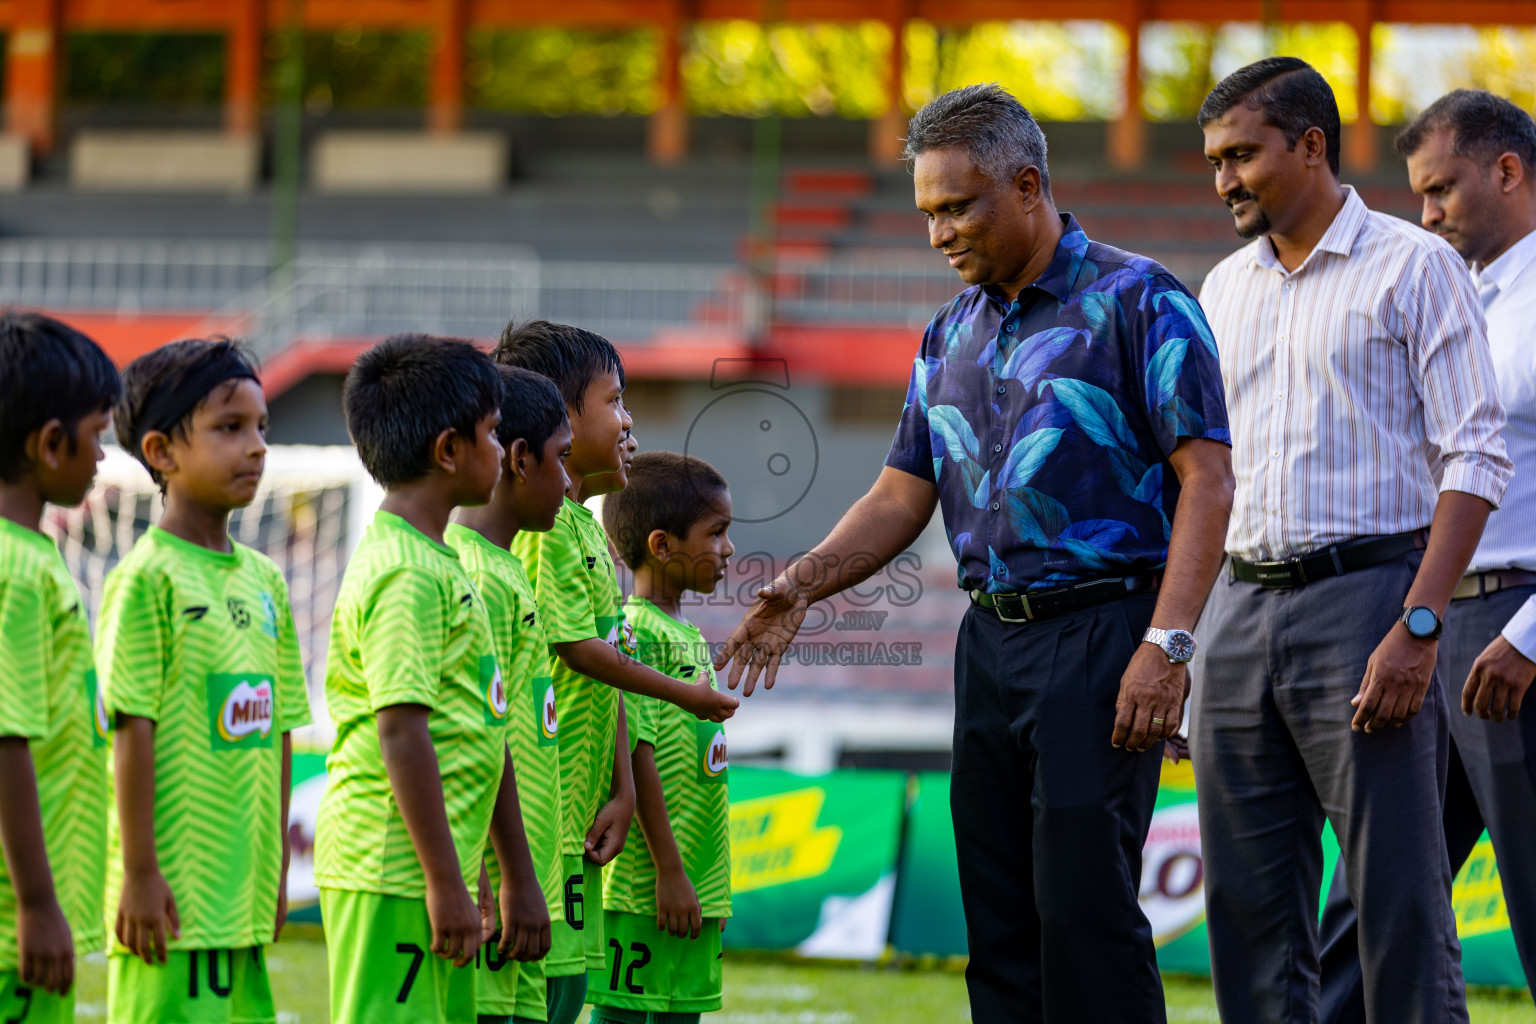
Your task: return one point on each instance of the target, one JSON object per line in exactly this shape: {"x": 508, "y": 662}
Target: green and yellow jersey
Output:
{"x": 692, "y": 761}
{"x": 409, "y": 628}
{"x": 202, "y": 643}
{"x": 532, "y": 716}
{"x": 49, "y": 696}
{"x": 578, "y": 596}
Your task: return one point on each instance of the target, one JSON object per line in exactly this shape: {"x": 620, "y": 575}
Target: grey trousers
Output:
{"x": 1491, "y": 785}
{"x": 1274, "y": 756}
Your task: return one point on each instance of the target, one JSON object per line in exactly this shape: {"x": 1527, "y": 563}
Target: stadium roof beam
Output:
{"x": 34, "y": 29}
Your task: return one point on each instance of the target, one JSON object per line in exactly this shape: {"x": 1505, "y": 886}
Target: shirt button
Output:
{"x": 1010, "y": 328}
{"x": 1002, "y": 390}
{"x": 997, "y": 447}
{"x": 999, "y": 571}
{"x": 995, "y": 506}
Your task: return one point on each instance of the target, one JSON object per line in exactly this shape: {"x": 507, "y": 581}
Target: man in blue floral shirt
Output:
{"x": 1066, "y": 414}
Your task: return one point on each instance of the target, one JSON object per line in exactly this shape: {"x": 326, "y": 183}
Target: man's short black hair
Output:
{"x": 405, "y": 391}
{"x": 150, "y": 375}
{"x": 1290, "y": 94}
{"x": 531, "y": 409}
{"x": 48, "y": 370}
{"x": 1483, "y": 128}
{"x": 667, "y": 491}
{"x": 572, "y": 357}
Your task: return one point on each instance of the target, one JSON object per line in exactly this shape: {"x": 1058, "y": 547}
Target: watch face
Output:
{"x": 1180, "y": 645}
{"x": 1421, "y": 622}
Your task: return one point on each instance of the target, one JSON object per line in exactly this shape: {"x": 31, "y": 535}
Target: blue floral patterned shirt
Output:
{"x": 1047, "y": 423}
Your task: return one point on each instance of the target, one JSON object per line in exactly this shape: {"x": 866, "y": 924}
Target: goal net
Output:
{"x": 308, "y": 515}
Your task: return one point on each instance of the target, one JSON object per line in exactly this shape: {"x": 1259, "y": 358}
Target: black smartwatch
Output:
{"x": 1422, "y": 622}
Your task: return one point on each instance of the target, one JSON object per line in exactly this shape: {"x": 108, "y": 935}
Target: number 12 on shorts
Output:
{"x": 640, "y": 956}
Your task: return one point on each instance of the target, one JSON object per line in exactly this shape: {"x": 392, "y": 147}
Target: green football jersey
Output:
{"x": 409, "y": 628}
{"x": 202, "y": 643}
{"x": 49, "y": 696}
{"x": 578, "y": 595}
{"x": 691, "y": 760}
{"x": 533, "y": 725}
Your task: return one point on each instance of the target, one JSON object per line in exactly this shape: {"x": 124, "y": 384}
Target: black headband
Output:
{"x": 169, "y": 406}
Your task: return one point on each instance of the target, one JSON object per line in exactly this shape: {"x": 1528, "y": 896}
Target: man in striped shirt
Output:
{"x": 1363, "y": 411}
{"x": 1472, "y": 156}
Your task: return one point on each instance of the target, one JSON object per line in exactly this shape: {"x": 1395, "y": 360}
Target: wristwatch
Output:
{"x": 1178, "y": 644}
{"x": 1422, "y": 622}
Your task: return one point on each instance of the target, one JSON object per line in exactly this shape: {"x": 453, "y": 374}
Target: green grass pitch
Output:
{"x": 764, "y": 992}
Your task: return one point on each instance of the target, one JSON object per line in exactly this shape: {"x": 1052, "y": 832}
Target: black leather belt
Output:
{"x": 1045, "y": 604}
{"x": 1481, "y": 584}
{"x": 1334, "y": 560}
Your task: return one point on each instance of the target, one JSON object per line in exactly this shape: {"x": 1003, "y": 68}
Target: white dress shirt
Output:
{"x": 1507, "y": 287}
{"x": 1358, "y": 385}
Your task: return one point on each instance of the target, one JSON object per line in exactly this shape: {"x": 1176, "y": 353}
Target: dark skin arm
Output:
{"x": 411, "y": 760}
{"x": 45, "y": 947}
{"x": 282, "y": 880}
{"x": 1401, "y": 668}
{"x": 879, "y": 526}
{"x": 600, "y": 660}
{"x": 146, "y": 910}
{"x": 1500, "y": 678}
{"x": 611, "y": 825}
{"x": 677, "y": 904}
{"x": 1154, "y": 687}
{"x": 525, "y": 930}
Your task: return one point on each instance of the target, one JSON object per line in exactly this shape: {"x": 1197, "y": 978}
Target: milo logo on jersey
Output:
{"x": 493, "y": 690}
{"x": 621, "y": 634}
{"x": 241, "y": 710}
{"x": 101, "y": 725}
{"x": 712, "y": 760}
{"x": 543, "y": 694}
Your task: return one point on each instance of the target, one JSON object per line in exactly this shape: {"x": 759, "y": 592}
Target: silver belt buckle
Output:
{"x": 1023, "y": 600}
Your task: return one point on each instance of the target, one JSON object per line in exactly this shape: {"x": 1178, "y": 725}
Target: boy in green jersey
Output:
{"x": 200, "y": 665}
{"x": 56, "y": 393}
{"x": 420, "y": 774}
{"x": 578, "y": 595}
{"x": 669, "y": 890}
{"x": 536, "y": 437}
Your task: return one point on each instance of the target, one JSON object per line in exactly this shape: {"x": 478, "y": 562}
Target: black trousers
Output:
{"x": 1050, "y": 820}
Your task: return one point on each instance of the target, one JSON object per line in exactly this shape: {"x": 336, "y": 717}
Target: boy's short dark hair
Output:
{"x": 531, "y": 409}
{"x": 163, "y": 388}
{"x": 1290, "y": 94}
{"x": 1483, "y": 128}
{"x": 48, "y": 370}
{"x": 405, "y": 391}
{"x": 570, "y": 356}
{"x": 667, "y": 491}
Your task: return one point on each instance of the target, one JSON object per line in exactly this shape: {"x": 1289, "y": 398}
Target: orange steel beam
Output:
{"x": 32, "y": 72}
{"x": 445, "y": 103}
{"x": 242, "y": 79}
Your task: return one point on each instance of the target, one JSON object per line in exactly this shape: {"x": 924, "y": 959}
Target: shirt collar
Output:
{"x": 1507, "y": 269}
{"x": 1061, "y": 273}
{"x": 1339, "y": 239}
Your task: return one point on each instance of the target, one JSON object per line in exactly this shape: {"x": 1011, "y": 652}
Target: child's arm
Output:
{"x": 46, "y": 950}
{"x": 600, "y": 660}
{"x": 411, "y": 761}
{"x": 611, "y": 826}
{"x": 147, "y": 909}
{"x": 285, "y": 787}
{"x": 677, "y": 905}
{"x": 525, "y": 931}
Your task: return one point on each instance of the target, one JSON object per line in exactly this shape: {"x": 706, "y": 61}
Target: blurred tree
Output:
{"x": 356, "y": 69}
{"x": 1330, "y": 47}
{"x": 1506, "y": 65}
{"x": 1061, "y": 71}
{"x": 1175, "y": 69}
{"x": 138, "y": 69}
{"x": 554, "y": 71}
{"x": 796, "y": 70}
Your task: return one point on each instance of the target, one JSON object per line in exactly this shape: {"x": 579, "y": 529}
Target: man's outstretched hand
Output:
{"x": 765, "y": 633}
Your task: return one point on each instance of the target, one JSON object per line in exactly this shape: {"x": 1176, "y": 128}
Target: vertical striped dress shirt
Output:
{"x": 1357, "y": 385}
{"x": 1507, "y": 287}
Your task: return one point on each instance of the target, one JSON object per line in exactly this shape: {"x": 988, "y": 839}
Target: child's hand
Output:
{"x": 45, "y": 949}
{"x": 609, "y": 830}
{"x": 1175, "y": 749}
{"x": 486, "y": 897}
{"x": 710, "y": 704}
{"x": 455, "y": 922}
{"x": 525, "y": 930}
{"x": 145, "y": 913}
{"x": 677, "y": 905}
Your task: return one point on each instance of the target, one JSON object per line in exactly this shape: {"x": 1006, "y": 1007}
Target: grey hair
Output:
{"x": 993, "y": 127}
